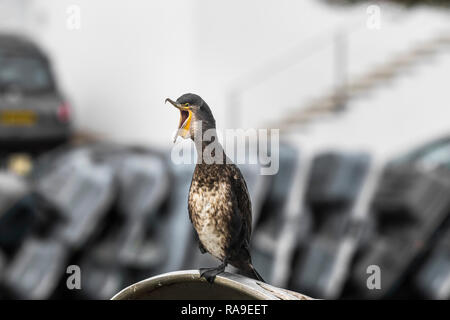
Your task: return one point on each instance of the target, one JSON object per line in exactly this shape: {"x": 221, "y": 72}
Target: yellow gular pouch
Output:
{"x": 185, "y": 122}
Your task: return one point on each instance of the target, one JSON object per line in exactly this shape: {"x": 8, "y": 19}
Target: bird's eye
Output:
{"x": 186, "y": 104}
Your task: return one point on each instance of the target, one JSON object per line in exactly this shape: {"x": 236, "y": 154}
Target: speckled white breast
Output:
{"x": 210, "y": 223}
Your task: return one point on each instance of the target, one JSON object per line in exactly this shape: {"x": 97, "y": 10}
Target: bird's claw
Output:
{"x": 210, "y": 273}
{"x": 202, "y": 248}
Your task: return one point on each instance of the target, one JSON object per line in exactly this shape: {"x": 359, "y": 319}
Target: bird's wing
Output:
{"x": 242, "y": 205}
{"x": 190, "y": 209}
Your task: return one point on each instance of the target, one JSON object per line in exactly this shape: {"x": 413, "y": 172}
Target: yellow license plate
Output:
{"x": 17, "y": 117}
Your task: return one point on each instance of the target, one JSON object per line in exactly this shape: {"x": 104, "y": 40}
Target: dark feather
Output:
{"x": 224, "y": 187}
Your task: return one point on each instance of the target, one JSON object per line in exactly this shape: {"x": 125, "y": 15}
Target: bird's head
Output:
{"x": 195, "y": 115}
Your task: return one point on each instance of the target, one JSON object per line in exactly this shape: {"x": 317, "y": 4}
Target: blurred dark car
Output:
{"x": 434, "y": 154}
{"x": 411, "y": 208}
{"x": 31, "y": 107}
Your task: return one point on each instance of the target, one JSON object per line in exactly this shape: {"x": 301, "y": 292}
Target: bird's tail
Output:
{"x": 251, "y": 272}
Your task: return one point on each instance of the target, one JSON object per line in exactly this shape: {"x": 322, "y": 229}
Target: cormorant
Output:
{"x": 219, "y": 204}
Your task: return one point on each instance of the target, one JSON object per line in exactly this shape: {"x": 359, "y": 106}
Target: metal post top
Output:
{"x": 187, "y": 285}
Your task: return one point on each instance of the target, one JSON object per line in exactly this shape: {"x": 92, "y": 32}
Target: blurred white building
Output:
{"x": 118, "y": 61}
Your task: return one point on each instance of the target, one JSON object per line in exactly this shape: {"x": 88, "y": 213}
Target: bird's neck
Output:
{"x": 209, "y": 149}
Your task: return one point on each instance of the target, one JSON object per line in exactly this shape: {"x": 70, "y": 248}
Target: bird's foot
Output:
{"x": 210, "y": 273}
{"x": 202, "y": 248}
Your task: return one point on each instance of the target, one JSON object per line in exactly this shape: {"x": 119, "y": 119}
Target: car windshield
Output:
{"x": 432, "y": 155}
{"x": 25, "y": 73}
{"x": 439, "y": 156}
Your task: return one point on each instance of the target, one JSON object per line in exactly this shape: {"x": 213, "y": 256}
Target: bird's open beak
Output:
{"x": 185, "y": 119}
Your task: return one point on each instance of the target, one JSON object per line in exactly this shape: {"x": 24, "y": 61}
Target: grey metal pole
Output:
{"x": 341, "y": 69}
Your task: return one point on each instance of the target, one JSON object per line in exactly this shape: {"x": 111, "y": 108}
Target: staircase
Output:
{"x": 336, "y": 100}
